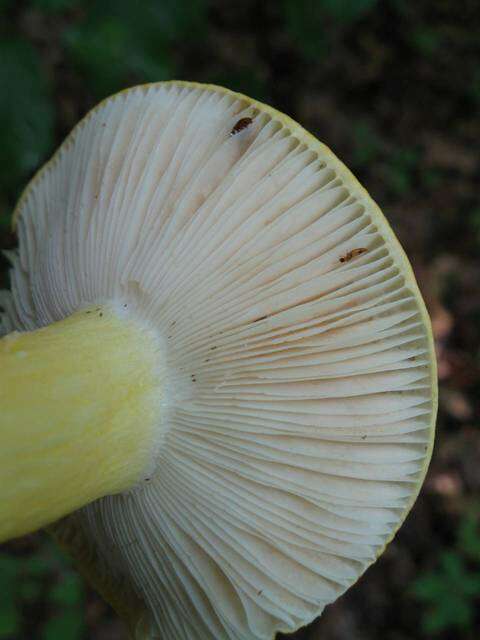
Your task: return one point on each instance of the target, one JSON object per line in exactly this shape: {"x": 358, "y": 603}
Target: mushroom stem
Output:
{"x": 80, "y": 410}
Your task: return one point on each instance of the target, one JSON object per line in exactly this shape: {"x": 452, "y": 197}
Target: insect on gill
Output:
{"x": 351, "y": 254}
{"x": 243, "y": 123}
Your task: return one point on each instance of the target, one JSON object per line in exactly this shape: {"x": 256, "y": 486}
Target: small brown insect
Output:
{"x": 351, "y": 254}
{"x": 243, "y": 123}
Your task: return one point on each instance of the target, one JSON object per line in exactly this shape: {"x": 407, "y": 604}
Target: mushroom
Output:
{"x": 218, "y": 387}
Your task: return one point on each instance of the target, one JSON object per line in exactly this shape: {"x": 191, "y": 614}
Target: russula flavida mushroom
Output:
{"x": 218, "y": 386}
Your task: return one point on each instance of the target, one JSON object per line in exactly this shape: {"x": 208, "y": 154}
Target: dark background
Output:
{"x": 393, "y": 88}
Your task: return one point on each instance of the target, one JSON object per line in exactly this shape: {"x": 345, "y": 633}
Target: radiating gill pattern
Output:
{"x": 300, "y": 391}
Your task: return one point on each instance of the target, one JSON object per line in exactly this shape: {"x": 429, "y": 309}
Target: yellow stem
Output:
{"x": 79, "y": 415}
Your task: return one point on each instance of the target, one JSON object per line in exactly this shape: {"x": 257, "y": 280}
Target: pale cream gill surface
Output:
{"x": 301, "y": 389}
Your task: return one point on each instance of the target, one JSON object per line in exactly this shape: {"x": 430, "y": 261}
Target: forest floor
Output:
{"x": 394, "y": 89}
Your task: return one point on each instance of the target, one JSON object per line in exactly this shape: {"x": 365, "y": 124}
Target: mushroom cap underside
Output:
{"x": 301, "y": 395}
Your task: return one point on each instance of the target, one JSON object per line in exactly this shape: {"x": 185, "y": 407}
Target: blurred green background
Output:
{"x": 393, "y": 88}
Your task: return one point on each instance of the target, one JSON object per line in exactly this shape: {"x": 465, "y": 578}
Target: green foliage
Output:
{"x": 108, "y": 45}
{"x": 4, "y": 218}
{"x": 4, "y": 5}
{"x": 9, "y": 614}
{"x": 67, "y": 591}
{"x": 451, "y": 592}
{"x": 426, "y": 41}
{"x": 347, "y": 10}
{"x": 367, "y": 143}
{"x": 67, "y": 624}
{"x": 311, "y": 23}
{"x": 431, "y": 178}
{"x": 469, "y": 536}
{"x": 474, "y": 88}
{"x": 116, "y": 44}
{"x": 26, "y": 112}
{"x": 475, "y": 222}
{"x": 54, "y": 6}
{"x": 400, "y": 170}
{"x": 26, "y": 580}
{"x": 244, "y": 80}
